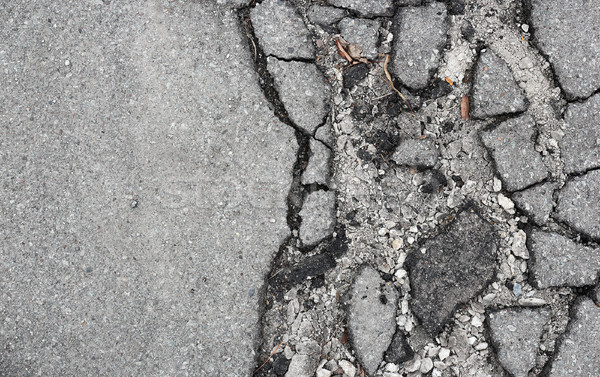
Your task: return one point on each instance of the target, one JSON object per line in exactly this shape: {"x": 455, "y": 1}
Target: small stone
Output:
{"x": 580, "y": 147}
{"x": 457, "y": 264}
{"x": 366, "y": 8}
{"x": 495, "y": 91}
{"x": 318, "y": 169}
{"x": 426, "y": 365}
{"x": 420, "y": 34}
{"x": 476, "y": 322}
{"x": 67, "y": 62}
{"x": 397, "y": 243}
{"x": 481, "y": 346}
{"x": 323, "y": 372}
{"x": 413, "y": 365}
{"x": 525, "y": 27}
{"x": 558, "y": 261}
{"x": 516, "y": 337}
{"x": 281, "y": 31}
{"x": 325, "y": 135}
{"x": 579, "y": 204}
{"x": 497, "y": 185}
{"x": 362, "y": 32}
{"x": 575, "y": 61}
{"x": 577, "y": 354}
{"x": 505, "y": 202}
{"x": 444, "y": 353}
{"x": 536, "y": 202}
{"x": 302, "y": 366}
{"x": 418, "y": 153}
{"x": 348, "y": 368}
{"x": 318, "y": 217}
{"x": 371, "y": 317}
{"x": 512, "y": 148}
{"x": 302, "y": 90}
{"x": 532, "y": 301}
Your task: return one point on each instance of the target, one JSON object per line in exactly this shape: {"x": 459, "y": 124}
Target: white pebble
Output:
{"x": 348, "y": 368}
{"x": 444, "y": 353}
{"x": 505, "y": 202}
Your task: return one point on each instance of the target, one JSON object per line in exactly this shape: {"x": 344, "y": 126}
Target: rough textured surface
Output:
{"x": 516, "y": 336}
{"x": 455, "y": 266}
{"x": 281, "y": 31}
{"x": 576, "y": 60}
{"x": 354, "y": 74}
{"x": 318, "y": 168}
{"x": 371, "y": 317}
{"x": 579, "y": 204}
{"x": 362, "y": 32}
{"x": 324, "y": 135}
{"x": 367, "y": 8}
{"x": 580, "y": 147}
{"x": 536, "y": 201}
{"x": 577, "y": 354}
{"x": 597, "y": 294}
{"x": 495, "y": 91}
{"x": 322, "y": 15}
{"x": 318, "y": 217}
{"x": 419, "y": 37}
{"x": 512, "y": 148}
{"x": 558, "y": 261}
{"x": 134, "y": 234}
{"x": 419, "y": 153}
{"x": 302, "y": 90}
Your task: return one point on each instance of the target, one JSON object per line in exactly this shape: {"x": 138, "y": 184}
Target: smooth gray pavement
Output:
{"x": 140, "y": 203}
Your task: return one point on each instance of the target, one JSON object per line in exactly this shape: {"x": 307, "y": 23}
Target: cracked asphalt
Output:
{"x": 300, "y": 188}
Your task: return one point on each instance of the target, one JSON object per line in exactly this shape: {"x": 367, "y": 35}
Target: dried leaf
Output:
{"x": 449, "y": 81}
{"x": 389, "y": 77}
{"x": 355, "y": 51}
{"x": 341, "y": 46}
{"x": 464, "y": 107}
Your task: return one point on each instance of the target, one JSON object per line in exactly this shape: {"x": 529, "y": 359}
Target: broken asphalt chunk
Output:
{"x": 567, "y": 32}
{"x": 399, "y": 350}
{"x": 302, "y": 90}
{"x": 516, "y": 337}
{"x": 512, "y": 148}
{"x": 371, "y": 317}
{"x": 323, "y": 15}
{"x": 417, "y": 153}
{"x": 366, "y": 8}
{"x": 579, "y": 204}
{"x": 577, "y": 353}
{"x": 318, "y": 169}
{"x": 281, "y": 31}
{"x": 420, "y": 34}
{"x": 318, "y": 217}
{"x": 580, "y": 147}
{"x": 558, "y": 261}
{"x": 495, "y": 91}
{"x": 362, "y": 32}
{"x": 536, "y": 202}
{"x": 451, "y": 268}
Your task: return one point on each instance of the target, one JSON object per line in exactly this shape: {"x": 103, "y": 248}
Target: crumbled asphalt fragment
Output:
{"x": 512, "y": 148}
{"x": 362, "y": 32}
{"x": 399, "y": 350}
{"x": 419, "y": 37}
{"x": 567, "y": 32}
{"x": 318, "y": 217}
{"x": 451, "y": 268}
{"x": 495, "y": 91}
{"x": 281, "y": 31}
{"x": 302, "y": 90}
{"x": 579, "y": 204}
{"x": 418, "y": 153}
{"x": 371, "y": 317}
{"x": 536, "y": 201}
{"x": 580, "y": 147}
{"x": 354, "y": 74}
{"x": 324, "y": 16}
{"x": 318, "y": 168}
{"x": 558, "y": 261}
{"x": 516, "y": 337}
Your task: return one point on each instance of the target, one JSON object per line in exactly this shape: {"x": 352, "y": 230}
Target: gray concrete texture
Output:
{"x": 139, "y": 208}
{"x": 536, "y": 202}
{"x": 579, "y": 204}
